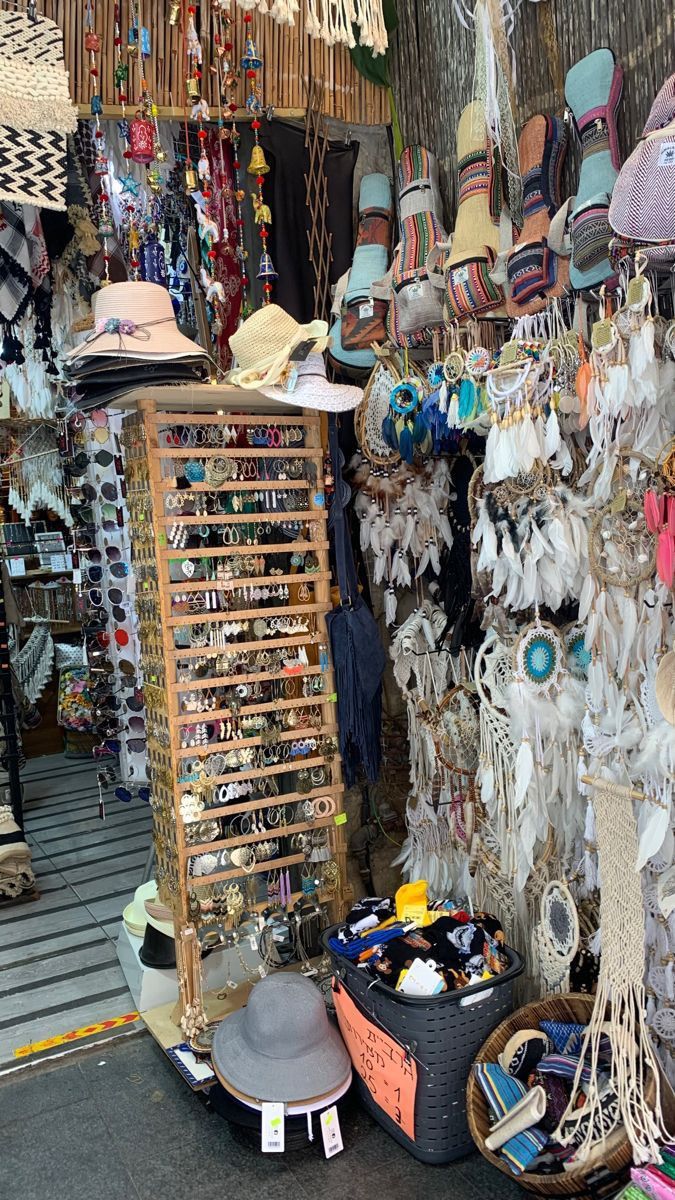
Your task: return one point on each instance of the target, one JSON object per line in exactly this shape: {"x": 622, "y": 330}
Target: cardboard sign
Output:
{"x": 389, "y": 1073}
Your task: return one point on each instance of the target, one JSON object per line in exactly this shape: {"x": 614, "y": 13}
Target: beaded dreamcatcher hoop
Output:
{"x": 621, "y": 550}
{"x": 539, "y": 656}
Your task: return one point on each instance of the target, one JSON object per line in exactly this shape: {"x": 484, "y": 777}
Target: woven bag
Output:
{"x": 643, "y": 201}
{"x": 36, "y": 111}
{"x": 416, "y": 306}
{"x": 534, "y": 271}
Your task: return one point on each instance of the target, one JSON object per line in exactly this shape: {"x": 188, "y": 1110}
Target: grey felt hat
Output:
{"x": 281, "y": 1047}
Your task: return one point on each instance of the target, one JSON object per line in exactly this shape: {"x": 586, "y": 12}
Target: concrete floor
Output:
{"x": 118, "y": 1123}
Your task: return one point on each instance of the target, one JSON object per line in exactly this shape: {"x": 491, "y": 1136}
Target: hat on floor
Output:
{"x": 134, "y": 320}
{"x": 311, "y": 389}
{"x": 264, "y": 343}
{"x": 281, "y": 1047}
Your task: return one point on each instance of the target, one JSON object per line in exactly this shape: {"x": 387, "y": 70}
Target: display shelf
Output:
{"x": 156, "y": 501}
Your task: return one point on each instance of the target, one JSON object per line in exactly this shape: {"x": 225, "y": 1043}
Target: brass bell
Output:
{"x": 191, "y": 180}
{"x": 174, "y": 12}
{"x": 192, "y": 86}
{"x": 258, "y": 164}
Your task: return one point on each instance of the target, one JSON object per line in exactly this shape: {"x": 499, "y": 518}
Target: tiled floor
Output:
{"x": 119, "y": 1123}
{"x": 58, "y": 963}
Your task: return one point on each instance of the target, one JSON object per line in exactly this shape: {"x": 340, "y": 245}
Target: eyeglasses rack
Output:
{"x": 230, "y": 545}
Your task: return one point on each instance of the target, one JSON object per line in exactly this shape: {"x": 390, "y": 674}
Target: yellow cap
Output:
{"x": 411, "y": 902}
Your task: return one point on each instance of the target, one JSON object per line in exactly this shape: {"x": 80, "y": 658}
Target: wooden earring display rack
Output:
{"x": 241, "y": 721}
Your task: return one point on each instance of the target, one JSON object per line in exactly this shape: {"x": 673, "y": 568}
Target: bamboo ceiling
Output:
{"x": 291, "y": 58}
{"x": 433, "y": 58}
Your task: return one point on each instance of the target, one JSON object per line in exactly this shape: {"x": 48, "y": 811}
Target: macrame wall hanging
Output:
{"x": 334, "y": 21}
{"x": 620, "y": 989}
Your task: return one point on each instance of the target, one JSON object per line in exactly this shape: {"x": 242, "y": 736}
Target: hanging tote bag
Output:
{"x": 642, "y": 209}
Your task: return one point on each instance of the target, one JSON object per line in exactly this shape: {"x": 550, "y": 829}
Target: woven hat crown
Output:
{"x": 285, "y": 1018}
{"x": 263, "y": 336}
{"x": 141, "y": 303}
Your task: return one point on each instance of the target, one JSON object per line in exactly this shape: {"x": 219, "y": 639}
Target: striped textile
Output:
{"x": 566, "y": 1036}
{"x": 564, "y": 1066}
{"x": 416, "y": 308}
{"x": 502, "y": 1091}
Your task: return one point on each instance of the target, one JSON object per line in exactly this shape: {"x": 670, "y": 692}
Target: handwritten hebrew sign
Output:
{"x": 389, "y": 1073}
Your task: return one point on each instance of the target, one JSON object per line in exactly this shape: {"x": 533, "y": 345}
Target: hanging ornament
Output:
{"x": 92, "y": 43}
{"x": 141, "y": 139}
{"x": 251, "y": 63}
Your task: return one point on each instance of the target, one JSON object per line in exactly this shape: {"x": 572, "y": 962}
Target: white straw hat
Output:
{"x": 136, "y": 916}
{"x": 264, "y": 343}
{"x": 313, "y": 390}
{"x": 135, "y": 320}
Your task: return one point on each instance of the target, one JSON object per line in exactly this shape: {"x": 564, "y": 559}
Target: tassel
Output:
{"x": 390, "y": 605}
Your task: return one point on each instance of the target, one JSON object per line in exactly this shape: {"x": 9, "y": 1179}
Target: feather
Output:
{"x": 434, "y": 558}
{"x": 491, "y": 448}
{"x": 423, "y": 563}
{"x": 403, "y": 570}
{"x": 390, "y": 605}
{"x": 551, "y": 435}
{"x": 629, "y": 622}
{"x": 653, "y": 823}
{"x": 653, "y": 512}
{"x": 523, "y": 772}
{"x": 665, "y": 558}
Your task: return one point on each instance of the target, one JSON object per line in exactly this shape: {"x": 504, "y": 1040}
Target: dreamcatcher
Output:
{"x": 405, "y": 428}
{"x": 373, "y": 410}
{"x": 532, "y": 540}
{"x": 557, "y": 936}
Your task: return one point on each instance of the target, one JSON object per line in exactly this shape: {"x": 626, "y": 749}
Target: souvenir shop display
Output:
{"x": 274, "y": 596}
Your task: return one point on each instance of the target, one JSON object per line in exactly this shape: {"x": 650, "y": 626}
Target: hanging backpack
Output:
{"x": 416, "y": 307}
{"x": 642, "y": 210}
{"x": 361, "y": 316}
{"x": 534, "y": 271}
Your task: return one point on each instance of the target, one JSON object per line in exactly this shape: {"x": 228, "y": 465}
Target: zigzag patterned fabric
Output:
{"x": 642, "y": 209}
{"x": 36, "y": 111}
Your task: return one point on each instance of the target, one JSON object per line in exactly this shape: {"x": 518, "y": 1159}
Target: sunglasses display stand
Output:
{"x": 111, "y": 522}
{"x": 176, "y": 462}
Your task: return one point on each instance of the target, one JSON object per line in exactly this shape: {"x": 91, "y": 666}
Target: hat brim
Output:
{"x": 317, "y": 1073}
{"x": 161, "y": 346}
{"x": 269, "y": 370}
{"x": 136, "y": 916}
{"x": 326, "y": 397}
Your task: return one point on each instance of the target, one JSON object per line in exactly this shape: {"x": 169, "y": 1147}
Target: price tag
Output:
{"x": 330, "y": 1132}
{"x": 667, "y": 155}
{"x": 340, "y": 818}
{"x": 272, "y": 1128}
{"x": 415, "y": 290}
{"x": 366, "y": 310}
{"x": 5, "y": 396}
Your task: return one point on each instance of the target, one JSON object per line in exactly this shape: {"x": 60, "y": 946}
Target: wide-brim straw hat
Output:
{"x": 265, "y": 342}
{"x": 134, "y": 320}
{"x": 313, "y": 390}
{"x": 281, "y": 1047}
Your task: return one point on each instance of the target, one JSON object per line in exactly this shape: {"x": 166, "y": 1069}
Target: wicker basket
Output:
{"x": 601, "y": 1177}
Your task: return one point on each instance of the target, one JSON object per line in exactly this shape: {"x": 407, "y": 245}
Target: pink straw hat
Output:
{"x": 135, "y": 320}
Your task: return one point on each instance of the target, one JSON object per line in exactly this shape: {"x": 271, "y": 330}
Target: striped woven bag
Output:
{"x": 642, "y": 209}
{"x": 416, "y": 306}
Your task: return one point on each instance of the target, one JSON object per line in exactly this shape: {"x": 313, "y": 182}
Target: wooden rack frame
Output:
{"x": 148, "y": 475}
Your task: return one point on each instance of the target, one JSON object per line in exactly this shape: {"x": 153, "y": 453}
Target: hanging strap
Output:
{"x": 344, "y": 557}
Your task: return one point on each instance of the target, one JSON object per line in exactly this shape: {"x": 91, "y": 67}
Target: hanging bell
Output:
{"x": 191, "y": 180}
{"x": 266, "y": 270}
{"x": 174, "y": 12}
{"x": 258, "y": 164}
{"x": 251, "y": 60}
{"x": 192, "y": 87}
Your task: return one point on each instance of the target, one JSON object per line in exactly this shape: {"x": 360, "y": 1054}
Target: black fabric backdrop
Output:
{"x": 284, "y": 191}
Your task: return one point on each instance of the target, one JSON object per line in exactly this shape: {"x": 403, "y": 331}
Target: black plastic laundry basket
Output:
{"x": 444, "y": 1033}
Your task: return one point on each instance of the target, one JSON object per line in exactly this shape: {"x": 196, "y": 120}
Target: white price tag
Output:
{"x": 272, "y": 1128}
{"x": 415, "y": 290}
{"x": 667, "y": 155}
{"x": 365, "y": 310}
{"x": 330, "y": 1132}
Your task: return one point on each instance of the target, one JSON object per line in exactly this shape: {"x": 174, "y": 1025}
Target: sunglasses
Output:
{"x": 112, "y": 553}
{"x": 122, "y": 793}
{"x": 111, "y": 517}
{"x": 136, "y": 745}
{"x": 99, "y": 420}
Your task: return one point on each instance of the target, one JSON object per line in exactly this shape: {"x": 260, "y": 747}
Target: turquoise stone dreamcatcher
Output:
{"x": 405, "y": 427}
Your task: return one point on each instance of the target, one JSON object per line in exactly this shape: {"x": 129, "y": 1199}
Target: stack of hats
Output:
{"x": 146, "y": 917}
{"x": 281, "y": 1047}
{"x": 16, "y": 873}
{"x": 277, "y": 356}
{"x": 135, "y": 342}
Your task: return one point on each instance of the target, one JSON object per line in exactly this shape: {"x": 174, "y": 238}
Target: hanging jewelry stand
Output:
{"x": 153, "y": 461}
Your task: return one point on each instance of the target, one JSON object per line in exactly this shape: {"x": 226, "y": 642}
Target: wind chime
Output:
{"x": 92, "y": 43}
{"x": 258, "y": 167}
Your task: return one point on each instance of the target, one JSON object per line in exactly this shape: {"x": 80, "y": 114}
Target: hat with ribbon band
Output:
{"x": 264, "y": 344}
{"x": 134, "y": 320}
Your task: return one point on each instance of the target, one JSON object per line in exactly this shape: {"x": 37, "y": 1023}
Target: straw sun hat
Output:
{"x": 135, "y": 320}
{"x": 264, "y": 343}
